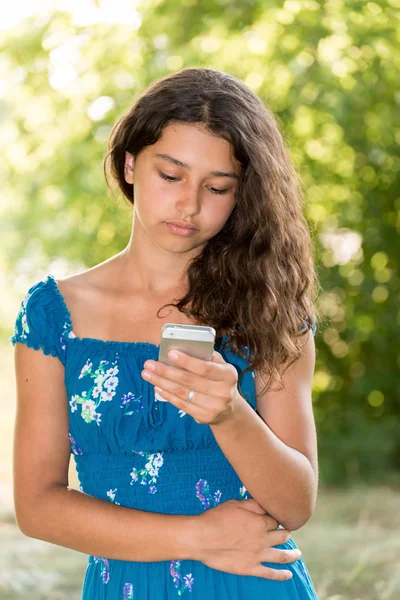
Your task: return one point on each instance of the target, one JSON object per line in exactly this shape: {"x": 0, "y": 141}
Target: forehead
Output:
{"x": 193, "y": 144}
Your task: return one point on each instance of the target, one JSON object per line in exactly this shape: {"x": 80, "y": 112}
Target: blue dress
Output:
{"x": 137, "y": 452}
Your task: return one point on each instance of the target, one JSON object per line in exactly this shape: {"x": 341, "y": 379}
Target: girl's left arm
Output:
{"x": 274, "y": 452}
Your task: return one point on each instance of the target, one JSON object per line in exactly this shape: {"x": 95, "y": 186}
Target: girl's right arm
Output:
{"x": 47, "y": 509}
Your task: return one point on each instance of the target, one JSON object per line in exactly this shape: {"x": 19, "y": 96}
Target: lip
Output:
{"x": 180, "y": 230}
{"x": 182, "y": 225}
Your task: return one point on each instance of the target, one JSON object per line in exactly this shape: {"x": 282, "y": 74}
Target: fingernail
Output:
{"x": 289, "y": 574}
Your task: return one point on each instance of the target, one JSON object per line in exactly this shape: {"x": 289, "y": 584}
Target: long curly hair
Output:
{"x": 255, "y": 281}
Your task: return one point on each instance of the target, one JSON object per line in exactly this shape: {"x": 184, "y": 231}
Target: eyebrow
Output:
{"x": 179, "y": 163}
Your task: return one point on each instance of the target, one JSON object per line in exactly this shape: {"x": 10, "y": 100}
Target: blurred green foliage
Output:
{"x": 329, "y": 71}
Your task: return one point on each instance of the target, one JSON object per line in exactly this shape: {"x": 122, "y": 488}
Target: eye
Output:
{"x": 167, "y": 177}
{"x": 172, "y": 179}
{"x": 215, "y": 191}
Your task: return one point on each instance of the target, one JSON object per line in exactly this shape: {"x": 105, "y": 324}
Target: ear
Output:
{"x": 129, "y": 167}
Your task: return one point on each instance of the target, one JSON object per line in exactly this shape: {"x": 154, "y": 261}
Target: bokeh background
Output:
{"x": 329, "y": 70}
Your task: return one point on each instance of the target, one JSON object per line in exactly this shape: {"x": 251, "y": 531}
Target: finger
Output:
{"x": 177, "y": 381}
{"x": 217, "y": 357}
{"x": 189, "y": 408}
{"x": 277, "y": 556}
{"x": 251, "y": 505}
{"x": 274, "y": 574}
{"x": 209, "y": 369}
{"x": 278, "y": 537}
{"x": 271, "y": 523}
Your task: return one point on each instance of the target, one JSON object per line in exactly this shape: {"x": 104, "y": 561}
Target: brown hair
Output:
{"x": 255, "y": 280}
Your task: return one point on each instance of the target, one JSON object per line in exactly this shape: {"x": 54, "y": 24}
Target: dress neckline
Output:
{"x": 68, "y": 319}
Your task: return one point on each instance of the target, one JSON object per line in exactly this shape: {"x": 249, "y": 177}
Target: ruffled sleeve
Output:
{"x": 39, "y": 322}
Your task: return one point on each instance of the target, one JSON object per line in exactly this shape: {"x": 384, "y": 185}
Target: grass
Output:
{"x": 351, "y": 545}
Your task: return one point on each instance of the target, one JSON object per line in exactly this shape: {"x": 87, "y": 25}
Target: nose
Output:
{"x": 189, "y": 200}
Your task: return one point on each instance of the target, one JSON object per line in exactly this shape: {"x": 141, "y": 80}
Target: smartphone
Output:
{"x": 195, "y": 340}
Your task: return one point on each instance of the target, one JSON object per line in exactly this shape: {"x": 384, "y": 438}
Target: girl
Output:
{"x": 195, "y": 496}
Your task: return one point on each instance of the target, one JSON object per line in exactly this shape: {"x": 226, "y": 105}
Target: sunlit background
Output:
{"x": 329, "y": 71}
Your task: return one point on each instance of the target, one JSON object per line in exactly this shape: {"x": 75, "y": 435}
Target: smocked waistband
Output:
{"x": 170, "y": 482}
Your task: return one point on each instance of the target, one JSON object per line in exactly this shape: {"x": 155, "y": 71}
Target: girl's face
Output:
{"x": 187, "y": 175}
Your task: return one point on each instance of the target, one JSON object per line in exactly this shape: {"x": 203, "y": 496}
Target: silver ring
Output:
{"x": 191, "y": 394}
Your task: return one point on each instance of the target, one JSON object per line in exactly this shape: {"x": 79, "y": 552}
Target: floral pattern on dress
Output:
{"x": 242, "y": 491}
{"x": 203, "y": 494}
{"x": 111, "y": 495}
{"x": 74, "y": 446}
{"x": 105, "y": 382}
{"x": 70, "y": 335}
{"x": 104, "y": 568}
{"x": 151, "y": 468}
{"x": 182, "y": 583}
{"x": 128, "y": 592}
{"x": 130, "y": 404}
{"x": 21, "y": 319}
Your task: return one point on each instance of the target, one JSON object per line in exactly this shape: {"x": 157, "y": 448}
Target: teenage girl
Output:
{"x": 195, "y": 496}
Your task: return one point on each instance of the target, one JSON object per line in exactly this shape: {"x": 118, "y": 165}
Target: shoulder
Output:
{"x": 73, "y": 287}
{"x": 96, "y": 278}
{"x": 86, "y": 291}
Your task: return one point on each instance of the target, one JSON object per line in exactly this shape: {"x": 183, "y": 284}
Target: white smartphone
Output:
{"x": 195, "y": 340}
